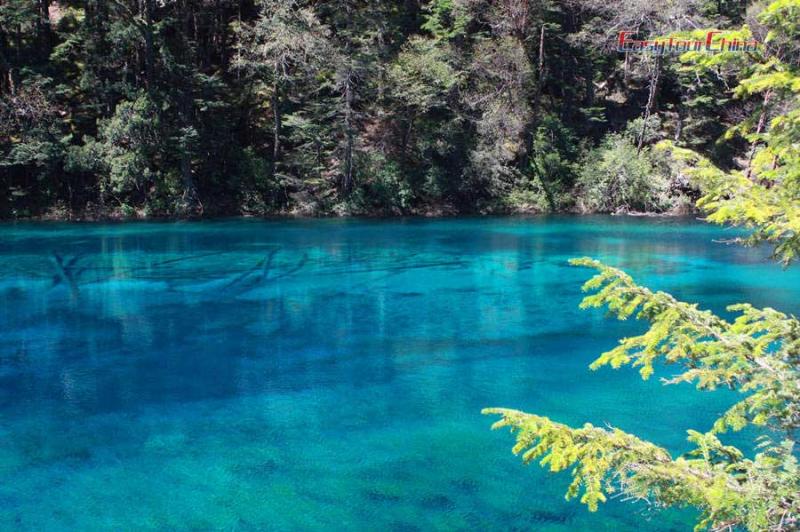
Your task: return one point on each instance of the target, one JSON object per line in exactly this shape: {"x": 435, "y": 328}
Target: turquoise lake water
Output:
{"x": 295, "y": 375}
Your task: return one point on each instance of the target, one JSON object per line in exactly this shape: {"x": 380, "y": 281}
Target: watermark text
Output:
{"x": 711, "y": 44}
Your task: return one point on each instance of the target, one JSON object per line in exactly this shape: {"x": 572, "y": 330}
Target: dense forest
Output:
{"x": 144, "y": 108}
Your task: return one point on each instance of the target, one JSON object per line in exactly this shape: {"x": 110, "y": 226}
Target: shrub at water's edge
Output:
{"x": 616, "y": 177}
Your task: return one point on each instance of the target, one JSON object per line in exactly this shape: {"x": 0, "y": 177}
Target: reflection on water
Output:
{"x": 320, "y": 374}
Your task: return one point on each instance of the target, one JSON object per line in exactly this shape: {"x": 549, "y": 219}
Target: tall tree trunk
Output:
{"x": 651, "y": 101}
{"x": 43, "y": 30}
{"x": 589, "y": 81}
{"x": 762, "y": 121}
{"x": 189, "y": 190}
{"x": 537, "y": 99}
{"x": 276, "y": 117}
{"x": 147, "y": 8}
{"x": 18, "y": 42}
{"x": 626, "y": 70}
{"x": 218, "y": 39}
{"x": 6, "y": 78}
{"x": 347, "y": 178}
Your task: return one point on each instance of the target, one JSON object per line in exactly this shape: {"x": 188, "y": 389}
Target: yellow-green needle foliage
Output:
{"x": 764, "y": 195}
{"x": 757, "y": 354}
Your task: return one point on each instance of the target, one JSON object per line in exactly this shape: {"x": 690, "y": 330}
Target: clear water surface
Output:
{"x": 295, "y": 375}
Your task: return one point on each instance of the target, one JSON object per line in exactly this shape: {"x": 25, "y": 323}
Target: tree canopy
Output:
{"x": 203, "y": 107}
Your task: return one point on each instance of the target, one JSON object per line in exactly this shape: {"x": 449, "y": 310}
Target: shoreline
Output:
{"x": 288, "y": 217}
{"x": 433, "y": 213}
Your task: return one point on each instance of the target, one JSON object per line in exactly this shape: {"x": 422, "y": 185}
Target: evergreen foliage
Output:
{"x": 340, "y": 106}
{"x": 616, "y": 178}
{"x": 757, "y": 354}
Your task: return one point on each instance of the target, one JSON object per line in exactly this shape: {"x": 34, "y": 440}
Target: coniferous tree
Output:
{"x": 757, "y": 354}
{"x": 342, "y": 106}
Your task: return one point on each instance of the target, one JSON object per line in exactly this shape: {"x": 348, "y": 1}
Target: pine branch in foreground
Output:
{"x": 757, "y": 354}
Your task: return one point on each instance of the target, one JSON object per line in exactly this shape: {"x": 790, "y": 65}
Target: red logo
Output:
{"x": 679, "y": 46}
